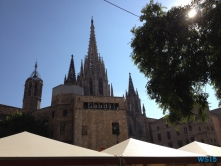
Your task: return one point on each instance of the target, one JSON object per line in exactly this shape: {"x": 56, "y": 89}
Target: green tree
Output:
{"x": 20, "y": 122}
{"x": 179, "y": 55}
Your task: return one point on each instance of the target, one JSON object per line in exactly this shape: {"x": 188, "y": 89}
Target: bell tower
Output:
{"x": 33, "y": 91}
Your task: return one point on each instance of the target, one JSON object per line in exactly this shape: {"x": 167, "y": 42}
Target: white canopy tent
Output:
{"x": 202, "y": 148}
{"x": 30, "y": 149}
{"x": 135, "y": 151}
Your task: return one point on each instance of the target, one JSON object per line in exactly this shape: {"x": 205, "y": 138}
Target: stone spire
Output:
{"x": 112, "y": 91}
{"x": 144, "y": 110}
{"x": 82, "y": 70}
{"x": 92, "y": 49}
{"x": 65, "y": 79}
{"x": 131, "y": 91}
{"x": 94, "y": 80}
{"x": 71, "y": 73}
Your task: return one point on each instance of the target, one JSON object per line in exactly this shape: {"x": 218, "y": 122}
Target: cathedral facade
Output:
{"x": 85, "y": 112}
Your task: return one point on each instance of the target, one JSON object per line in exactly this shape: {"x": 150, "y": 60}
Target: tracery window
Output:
{"x": 100, "y": 86}
{"x": 91, "y": 86}
{"x": 140, "y": 128}
{"x": 129, "y": 126}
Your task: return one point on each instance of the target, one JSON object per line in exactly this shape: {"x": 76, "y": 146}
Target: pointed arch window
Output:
{"x": 129, "y": 126}
{"x": 140, "y": 128}
{"x": 100, "y": 86}
{"x": 91, "y": 86}
{"x": 36, "y": 89}
{"x": 29, "y": 89}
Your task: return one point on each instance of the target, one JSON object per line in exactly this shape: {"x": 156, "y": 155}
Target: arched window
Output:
{"x": 65, "y": 112}
{"x": 91, "y": 86}
{"x": 29, "y": 89}
{"x": 100, "y": 86}
{"x": 36, "y": 87}
{"x": 140, "y": 128}
{"x": 129, "y": 126}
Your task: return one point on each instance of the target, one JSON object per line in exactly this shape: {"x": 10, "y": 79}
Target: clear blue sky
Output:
{"x": 52, "y": 30}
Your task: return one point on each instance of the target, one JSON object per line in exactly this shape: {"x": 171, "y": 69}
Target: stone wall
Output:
{"x": 60, "y": 125}
{"x": 8, "y": 110}
{"x": 93, "y": 127}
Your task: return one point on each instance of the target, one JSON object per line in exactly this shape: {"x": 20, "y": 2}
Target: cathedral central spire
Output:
{"x": 92, "y": 76}
{"x": 71, "y": 79}
{"x": 92, "y": 49}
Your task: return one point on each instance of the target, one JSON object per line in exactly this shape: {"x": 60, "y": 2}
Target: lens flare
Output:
{"x": 192, "y": 13}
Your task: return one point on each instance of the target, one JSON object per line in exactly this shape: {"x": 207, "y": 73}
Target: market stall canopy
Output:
{"x": 44, "y": 151}
{"x": 139, "y": 152}
{"x": 202, "y": 148}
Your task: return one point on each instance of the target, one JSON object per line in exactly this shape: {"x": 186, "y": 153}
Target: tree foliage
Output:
{"x": 179, "y": 55}
{"x": 20, "y": 122}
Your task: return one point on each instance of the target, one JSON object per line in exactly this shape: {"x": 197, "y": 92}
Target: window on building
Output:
{"x": 214, "y": 140}
{"x": 211, "y": 139}
{"x": 192, "y": 139}
{"x": 111, "y": 106}
{"x": 179, "y": 143}
{"x": 170, "y": 144}
{"x": 116, "y": 105}
{"x": 106, "y": 106}
{"x": 207, "y": 127}
{"x": 65, "y": 112}
{"x": 140, "y": 128}
{"x": 96, "y": 105}
{"x": 168, "y": 135}
{"x": 101, "y": 105}
{"x": 84, "y": 130}
{"x": 90, "y": 105}
{"x": 91, "y": 86}
{"x": 199, "y": 129}
{"x": 187, "y": 141}
{"x": 158, "y": 128}
{"x": 52, "y": 114}
{"x": 185, "y": 130}
{"x": 212, "y": 128}
{"x": 177, "y": 133}
{"x": 29, "y": 89}
{"x": 166, "y": 125}
{"x": 115, "y": 128}
{"x": 100, "y": 86}
{"x": 202, "y": 140}
{"x": 85, "y": 105}
{"x": 190, "y": 128}
{"x": 35, "y": 92}
{"x": 159, "y": 137}
{"x": 62, "y": 128}
{"x": 129, "y": 126}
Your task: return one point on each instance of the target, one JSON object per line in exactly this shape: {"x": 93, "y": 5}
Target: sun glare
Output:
{"x": 192, "y": 13}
